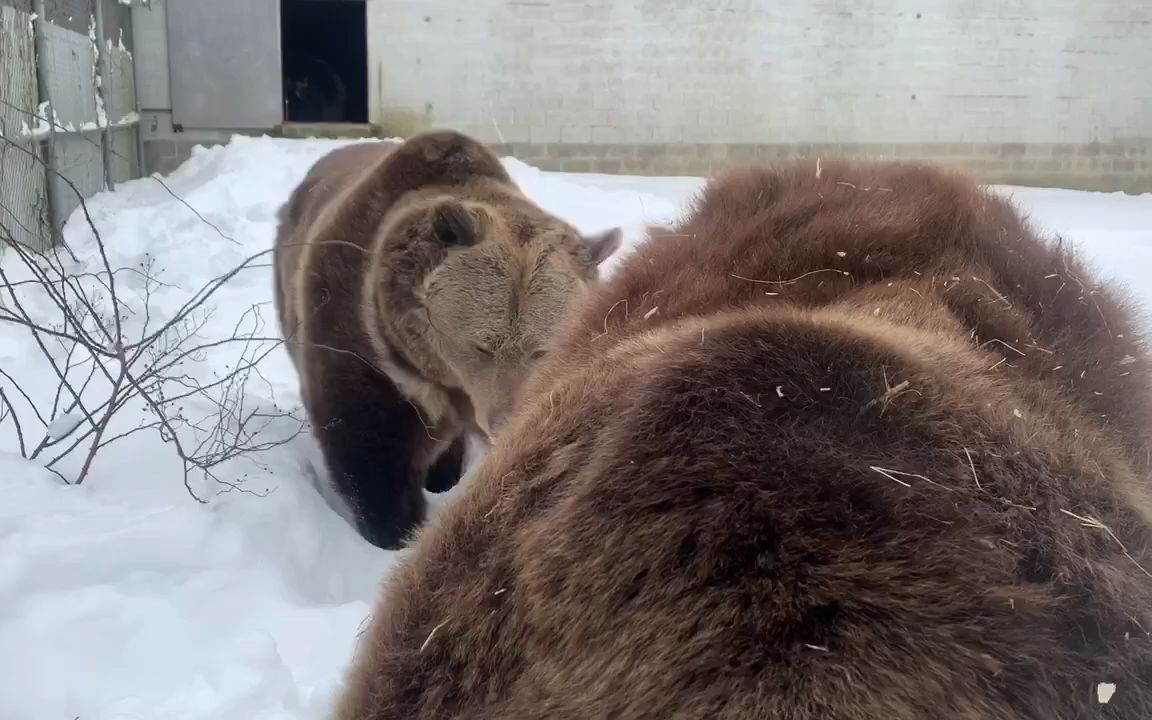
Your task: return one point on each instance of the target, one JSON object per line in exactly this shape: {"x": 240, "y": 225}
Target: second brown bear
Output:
{"x": 849, "y": 442}
{"x": 416, "y": 285}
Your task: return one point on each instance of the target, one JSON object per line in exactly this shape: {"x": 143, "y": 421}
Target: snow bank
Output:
{"x": 1114, "y": 230}
{"x": 123, "y": 599}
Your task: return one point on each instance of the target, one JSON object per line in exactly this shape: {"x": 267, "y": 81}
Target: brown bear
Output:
{"x": 849, "y": 443}
{"x": 416, "y": 284}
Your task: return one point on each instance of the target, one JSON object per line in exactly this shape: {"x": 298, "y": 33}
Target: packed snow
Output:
{"x": 125, "y": 599}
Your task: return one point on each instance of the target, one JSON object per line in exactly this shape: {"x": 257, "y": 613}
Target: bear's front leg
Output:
{"x": 375, "y": 447}
{"x": 448, "y": 467}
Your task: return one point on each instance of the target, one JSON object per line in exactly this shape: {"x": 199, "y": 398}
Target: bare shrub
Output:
{"x": 120, "y": 370}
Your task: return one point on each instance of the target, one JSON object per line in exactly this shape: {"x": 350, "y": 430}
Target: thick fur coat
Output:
{"x": 850, "y": 442}
{"x": 416, "y": 285}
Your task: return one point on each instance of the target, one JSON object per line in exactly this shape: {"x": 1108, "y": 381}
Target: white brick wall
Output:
{"x": 766, "y": 71}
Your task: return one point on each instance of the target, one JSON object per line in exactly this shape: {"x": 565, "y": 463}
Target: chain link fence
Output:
{"x": 69, "y": 121}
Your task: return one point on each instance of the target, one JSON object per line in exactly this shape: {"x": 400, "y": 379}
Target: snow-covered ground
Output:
{"x": 123, "y": 599}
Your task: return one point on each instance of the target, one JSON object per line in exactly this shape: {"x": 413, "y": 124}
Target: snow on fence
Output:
{"x": 68, "y": 114}
{"x": 118, "y": 347}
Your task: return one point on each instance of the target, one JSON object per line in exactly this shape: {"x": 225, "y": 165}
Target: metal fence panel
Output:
{"x": 224, "y": 62}
{"x": 23, "y": 207}
{"x": 120, "y": 96}
{"x": 69, "y": 97}
{"x": 72, "y": 88}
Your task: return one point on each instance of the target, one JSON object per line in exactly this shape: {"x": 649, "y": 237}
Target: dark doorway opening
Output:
{"x": 325, "y": 60}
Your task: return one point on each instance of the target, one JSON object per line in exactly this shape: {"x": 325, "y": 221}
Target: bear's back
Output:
{"x": 810, "y": 234}
{"x": 744, "y": 490}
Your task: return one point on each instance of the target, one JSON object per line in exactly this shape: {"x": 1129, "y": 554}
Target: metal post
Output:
{"x": 40, "y": 43}
{"x": 101, "y": 50}
{"x": 139, "y": 130}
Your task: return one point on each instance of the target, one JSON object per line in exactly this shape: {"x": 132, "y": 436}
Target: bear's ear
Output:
{"x": 455, "y": 225}
{"x": 603, "y": 244}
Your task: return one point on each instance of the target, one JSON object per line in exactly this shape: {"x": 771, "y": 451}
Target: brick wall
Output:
{"x": 1032, "y": 91}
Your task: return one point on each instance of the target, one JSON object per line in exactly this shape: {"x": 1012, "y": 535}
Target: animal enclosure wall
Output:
{"x": 68, "y": 120}
{"x": 1031, "y": 91}
{"x": 23, "y": 210}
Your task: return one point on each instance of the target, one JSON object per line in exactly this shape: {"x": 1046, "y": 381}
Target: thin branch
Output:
{"x": 10, "y": 412}
{"x": 16, "y": 386}
{"x": 100, "y": 428}
{"x": 792, "y": 281}
{"x": 144, "y": 368}
{"x": 1091, "y": 522}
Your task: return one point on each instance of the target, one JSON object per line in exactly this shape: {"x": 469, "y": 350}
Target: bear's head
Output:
{"x": 488, "y": 276}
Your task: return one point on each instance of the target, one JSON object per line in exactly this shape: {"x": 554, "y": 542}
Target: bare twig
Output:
{"x": 973, "y": 466}
{"x": 101, "y": 371}
{"x": 889, "y": 395}
{"x": 101, "y": 426}
{"x": 997, "y": 293}
{"x": 1091, "y": 522}
{"x": 6, "y": 412}
{"x": 618, "y": 303}
{"x": 428, "y": 640}
{"x": 792, "y": 281}
{"x": 892, "y": 475}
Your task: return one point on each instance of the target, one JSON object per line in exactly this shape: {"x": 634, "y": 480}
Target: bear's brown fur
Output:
{"x": 849, "y": 443}
{"x": 416, "y": 285}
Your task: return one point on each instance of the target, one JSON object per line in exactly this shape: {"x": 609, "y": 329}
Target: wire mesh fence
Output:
{"x": 69, "y": 125}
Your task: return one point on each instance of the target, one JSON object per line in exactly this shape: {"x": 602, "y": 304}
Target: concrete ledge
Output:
{"x": 1118, "y": 166}
{"x": 1106, "y": 167}
{"x": 329, "y": 130}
